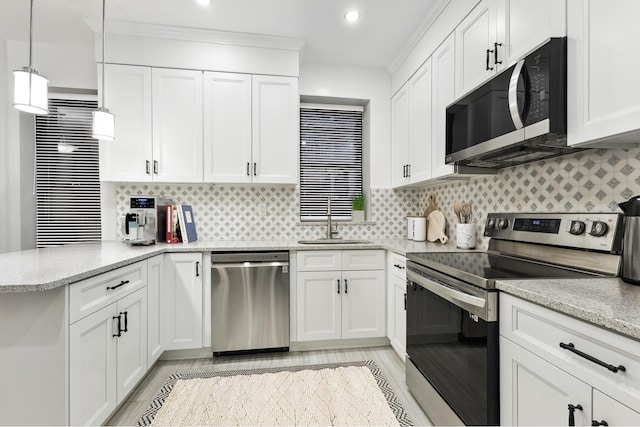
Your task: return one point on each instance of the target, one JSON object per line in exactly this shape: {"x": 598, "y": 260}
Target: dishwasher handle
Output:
{"x": 249, "y": 264}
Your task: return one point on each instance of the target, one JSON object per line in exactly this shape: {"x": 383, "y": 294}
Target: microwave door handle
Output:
{"x": 513, "y": 95}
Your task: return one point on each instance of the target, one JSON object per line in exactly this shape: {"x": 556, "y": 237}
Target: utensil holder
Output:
{"x": 466, "y": 236}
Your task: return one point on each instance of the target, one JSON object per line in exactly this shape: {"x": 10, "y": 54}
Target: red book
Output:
{"x": 169, "y": 233}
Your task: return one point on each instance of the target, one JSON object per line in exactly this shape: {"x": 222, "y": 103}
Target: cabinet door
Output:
{"x": 318, "y": 306}
{"x": 475, "y": 36}
{"x": 535, "y": 392}
{"x": 155, "y": 293}
{"x": 92, "y": 367}
{"x": 183, "y": 301}
{"x": 420, "y": 117}
{"x": 276, "y": 111}
{"x": 400, "y": 136}
{"x": 528, "y": 24}
{"x": 443, "y": 67}
{"x": 128, "y": 96}
{"x": 177, "y": 125}
{"x": 132, "y": 344}
{"x": 603, "y": 100}
{"x": 399, "y": 302}
{"x": 363, "y": 304}
{"x": 613, "y": 412}
{"x": 227, "y": 127}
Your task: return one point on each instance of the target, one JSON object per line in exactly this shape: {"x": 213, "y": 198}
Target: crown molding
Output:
{"x": 422, "y": 29}
{"x": 200, "y": 35}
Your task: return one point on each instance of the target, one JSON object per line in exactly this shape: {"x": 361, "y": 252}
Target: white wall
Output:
{"x": 69, "y": 66}
{"x": 363, "y": 84}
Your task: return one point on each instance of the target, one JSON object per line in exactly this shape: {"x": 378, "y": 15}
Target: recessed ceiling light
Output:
{"x": 203, "y": 2}
{"x": 352, "y": 16}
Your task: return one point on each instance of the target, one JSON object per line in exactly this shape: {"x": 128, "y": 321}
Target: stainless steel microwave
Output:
{"x": 518, "y": 116}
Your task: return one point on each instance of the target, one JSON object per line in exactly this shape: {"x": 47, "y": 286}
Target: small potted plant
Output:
{"x": 357, "y": 208}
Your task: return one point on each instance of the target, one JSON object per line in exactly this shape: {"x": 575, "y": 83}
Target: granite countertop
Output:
{"x": 605, "y": 302}
{"x": 43, "y": 269}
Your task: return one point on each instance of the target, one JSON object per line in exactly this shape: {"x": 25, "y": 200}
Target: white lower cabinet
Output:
{"x": 540, "y": 379}
{"x": 107, "y": 357}
{"x": 155, "y": 299}
{"x": 396, "y": 303}
{"x": 340, "y": 295}
{"x": 182, "y": 302}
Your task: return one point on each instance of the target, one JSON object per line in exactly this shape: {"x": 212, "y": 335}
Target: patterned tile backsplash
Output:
{"x": 589, "y": 181}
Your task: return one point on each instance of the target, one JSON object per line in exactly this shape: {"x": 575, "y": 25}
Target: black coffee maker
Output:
{"x": 631, "y": 242}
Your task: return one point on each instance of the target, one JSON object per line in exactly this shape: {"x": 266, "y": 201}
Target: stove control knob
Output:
{"x": 577, "y": 227}
{"x": 491, "y": 223}
{"x": 598, "y": 228}
{"x": 502, "y": 224}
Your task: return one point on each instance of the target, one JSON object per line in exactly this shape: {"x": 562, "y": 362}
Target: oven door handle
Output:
{"x": 446, "y": 292}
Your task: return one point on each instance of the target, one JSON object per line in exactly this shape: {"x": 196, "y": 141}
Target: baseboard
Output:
{"x": 192, "y": 353}
{"x": 338, "y": 344}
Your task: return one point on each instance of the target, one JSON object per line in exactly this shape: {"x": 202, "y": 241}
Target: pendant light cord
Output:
{"x": 104, "y": 2}
{"x": 30, "y": 36}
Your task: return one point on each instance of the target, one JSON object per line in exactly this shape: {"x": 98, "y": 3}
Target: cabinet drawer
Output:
{"x": 319, "y": 260}
{"x": 397, "y": 265}
{"x": 363, "y": 260}
{"x": 90, "y": 295}
{"x": 541, "y": 331}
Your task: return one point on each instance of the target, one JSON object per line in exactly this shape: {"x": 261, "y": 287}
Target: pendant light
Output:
{"x": 30, "y": 88}
{"x": 103, "y": 121}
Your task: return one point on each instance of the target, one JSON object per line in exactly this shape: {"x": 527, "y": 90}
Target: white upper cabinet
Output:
{"x": 529, "y": 23}
{"x": 128, "y": 96}
{"x": 411, "y": 129}
{"x": 276, "y": 110}
{"x": 603, "y": 102}
{"x": 476, "y": 39}
{"x": 227, "y": 127}
{"x": 497, "y": 33}
{"x": 443, "y": 93}
{"x": 177, "y": 125}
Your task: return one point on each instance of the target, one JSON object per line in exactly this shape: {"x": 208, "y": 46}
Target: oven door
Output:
{"x": 452, "y": 339}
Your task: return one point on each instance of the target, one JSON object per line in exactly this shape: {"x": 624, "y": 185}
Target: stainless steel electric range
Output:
{"x": 452, "y": 304}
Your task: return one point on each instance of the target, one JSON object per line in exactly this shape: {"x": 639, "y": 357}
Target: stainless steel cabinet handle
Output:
{"x": 148, "y": 167}
{"x": 155, "y": 167}
{"x": 495, "y": 53}
{"x": 338, "y": 285}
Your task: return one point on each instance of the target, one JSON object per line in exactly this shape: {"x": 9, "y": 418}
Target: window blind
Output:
{"x": 330, "y": 162}
{"x": 67, "y": 174}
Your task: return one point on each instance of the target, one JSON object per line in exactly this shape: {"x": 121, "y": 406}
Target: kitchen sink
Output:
{"x": 333, "y": 242}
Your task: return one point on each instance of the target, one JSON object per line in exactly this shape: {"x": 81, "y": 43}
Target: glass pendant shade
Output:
{"x": 30, "y": 91}
{"x": 104, "y": 124}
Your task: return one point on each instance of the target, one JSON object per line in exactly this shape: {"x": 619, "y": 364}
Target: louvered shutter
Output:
{"x": 330, "y": 161}
{"x": 67, "y": 183}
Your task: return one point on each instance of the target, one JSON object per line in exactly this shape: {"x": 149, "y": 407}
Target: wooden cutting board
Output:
{"x": 431, "y": 205}
{"x": 435, "y": 227}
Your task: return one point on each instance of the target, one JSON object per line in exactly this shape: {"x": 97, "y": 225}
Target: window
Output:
{"x": 67, "y": 174}
{"x": 330, "y": 160}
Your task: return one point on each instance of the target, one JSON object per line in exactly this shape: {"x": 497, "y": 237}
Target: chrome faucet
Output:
{"x": 331, "y": 230}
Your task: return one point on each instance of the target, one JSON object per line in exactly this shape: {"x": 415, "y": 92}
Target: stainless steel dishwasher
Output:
{"x": 249, "y": 302}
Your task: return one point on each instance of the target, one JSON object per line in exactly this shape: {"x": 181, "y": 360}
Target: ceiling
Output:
{"x": 384, "y": 31}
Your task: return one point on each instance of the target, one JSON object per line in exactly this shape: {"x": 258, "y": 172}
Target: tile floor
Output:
{"x": 385, "y": 357}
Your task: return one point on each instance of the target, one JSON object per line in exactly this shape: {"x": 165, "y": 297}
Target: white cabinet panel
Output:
{"x": 183, "y": 301}
{"x": 613, "y": 412}
{"x": 92, "y": 367}
{"x": 400, "y": 136}
{"x": 319, "y": 260}
{"x": 128, "y": 96}
{"x": 227, "y": 127}
{"x": 276, "y": 107}
{"x": 420, "y": 101}
{"x": 399, "y": 302}
{"x": 535, "y": 392}
{"x": 132, "y": 344}
{"x": 603, "y": 104}
{"x": 363, "y": 260}
{"x": 155, "y": 293}
{"x": 177, "y": 125}
{"x": 363, "y": 304}
{"x": 319, "y": 301}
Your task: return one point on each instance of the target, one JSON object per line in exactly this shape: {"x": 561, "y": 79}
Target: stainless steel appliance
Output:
{"x": 249, "y": 302}
{"x": 452, "y": 304}
{"x": 146, "y": 221}
{"x": 631, "y": 249}
{"x": 518, "y": 116}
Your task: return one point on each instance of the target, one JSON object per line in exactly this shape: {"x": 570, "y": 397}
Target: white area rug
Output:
{"x": 349, "y": 394}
